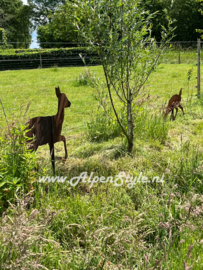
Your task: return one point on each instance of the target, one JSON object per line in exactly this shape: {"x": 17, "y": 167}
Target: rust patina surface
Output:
{"x": 47, "y": 129}
{"x": 174, "y": 103}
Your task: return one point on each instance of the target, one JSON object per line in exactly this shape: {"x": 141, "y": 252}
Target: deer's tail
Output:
{"x": 180, "y": 93}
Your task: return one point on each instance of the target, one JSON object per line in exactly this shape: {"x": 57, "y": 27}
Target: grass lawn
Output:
{"x": 149, "y": 226}
{"x": 38, "y": 87}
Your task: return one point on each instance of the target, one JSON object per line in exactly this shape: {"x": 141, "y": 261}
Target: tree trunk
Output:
{"x": 130, "y": 146}
{"x": 130, "y": 124}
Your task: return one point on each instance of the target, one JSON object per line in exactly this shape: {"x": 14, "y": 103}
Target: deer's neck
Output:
{"x": 60, "y": 114}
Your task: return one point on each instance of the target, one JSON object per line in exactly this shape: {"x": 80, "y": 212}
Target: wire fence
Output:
{"x": 66, "y": 54}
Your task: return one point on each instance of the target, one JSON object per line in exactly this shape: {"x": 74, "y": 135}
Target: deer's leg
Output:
{"x": 176, "y": 112}
{"x": 51, "y": 147}
{"x": 181, "y": 108}
{"x": 35, "y": 146}
{"x": 172, "y": 114}
{"x": 62, "y": 138}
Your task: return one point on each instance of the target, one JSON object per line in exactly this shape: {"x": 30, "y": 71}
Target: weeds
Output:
{"x": 55, "y": 68}
{"x": 151, "y": 126}
{"x": 85, "y": 78}
{"x": 103, "y": 127}
{"x": 16, "y": 165}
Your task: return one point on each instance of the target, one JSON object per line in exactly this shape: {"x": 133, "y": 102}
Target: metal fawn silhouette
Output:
{"x": 47, "y": 129}
{"x": 174, "y": 103}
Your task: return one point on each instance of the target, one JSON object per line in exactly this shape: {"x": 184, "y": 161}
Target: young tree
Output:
{"x": 120, "y": 32}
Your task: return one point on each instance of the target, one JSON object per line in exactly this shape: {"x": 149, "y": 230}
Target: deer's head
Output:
{"x": 167, "y": 111}
{"x": 63, "y": 101}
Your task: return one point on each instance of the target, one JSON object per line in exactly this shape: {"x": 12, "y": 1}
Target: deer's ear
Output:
{"x": 58, "y": 92}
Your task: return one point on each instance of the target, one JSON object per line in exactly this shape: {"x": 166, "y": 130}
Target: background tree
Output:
{"x": 184, "y": 13}
{"x": 43, "y": 10}
{"x": 157, "y": 21}
{"x": 15, "y": 19}
{"x": 200, "y": 28}
{"x": 60, "y": 28}
{"x": 188, "y": 19}
{"x": 57, "y": 27}
{"x": 120, "y": 32}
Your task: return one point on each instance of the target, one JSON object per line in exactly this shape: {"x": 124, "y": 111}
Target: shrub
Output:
{"x": 16, "y": 165}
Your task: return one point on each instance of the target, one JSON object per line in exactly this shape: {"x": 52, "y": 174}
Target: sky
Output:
{"x": 34, "y": 34}
{"x": 34, "y": 43}
{"x": 25, "y": 2}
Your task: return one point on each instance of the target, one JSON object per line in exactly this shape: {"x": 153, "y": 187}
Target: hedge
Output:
{"x": 35, "y": 58}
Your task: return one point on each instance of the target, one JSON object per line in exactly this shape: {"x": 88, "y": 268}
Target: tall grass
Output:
{"x": 148, "y": 126}
{"x": 103, "y": 127}
{"x": 188, "y": 173}
{"x": 151, "y": 126}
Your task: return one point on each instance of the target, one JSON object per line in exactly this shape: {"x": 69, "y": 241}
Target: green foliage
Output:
{"x": 35, "y": 53}
{"x": 46, "y": 35}
{"x": 60, "y": 27}
{"x": 44, "y": 54}
{"x": 16, "y": 165}
{"x": 15, "y": 19}
{"x": 184, "y": 13}
{"x": 4, "y": 37}
{"x": 42, "y": 10}
{"x": 201, "y": 12}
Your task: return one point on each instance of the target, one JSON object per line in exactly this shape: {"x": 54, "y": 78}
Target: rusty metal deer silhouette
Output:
{"x": 47, "y": 129}
{"x": 174, "y": 103}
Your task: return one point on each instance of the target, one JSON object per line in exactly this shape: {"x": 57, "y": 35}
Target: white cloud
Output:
{"x": 25, "y": 2}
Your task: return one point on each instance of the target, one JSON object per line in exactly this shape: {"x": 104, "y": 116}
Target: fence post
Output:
{"x": 179, "y": 54}
{"x": 40, "y": 60}
{"x": 198, "y": 66}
